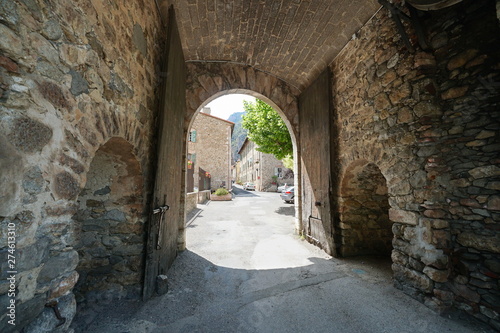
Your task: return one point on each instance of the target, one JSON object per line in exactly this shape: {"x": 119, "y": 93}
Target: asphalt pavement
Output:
{"x": 245, "y": 270}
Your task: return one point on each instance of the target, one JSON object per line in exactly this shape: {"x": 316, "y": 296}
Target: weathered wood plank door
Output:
{"x": 316, "y": 152}
{"x": 163, "y": 226}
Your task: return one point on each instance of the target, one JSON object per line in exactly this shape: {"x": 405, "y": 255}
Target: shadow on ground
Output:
{"x": 205, "y": 297}
{"x": 288, "y": 211}
{"x": 239, "y": 192}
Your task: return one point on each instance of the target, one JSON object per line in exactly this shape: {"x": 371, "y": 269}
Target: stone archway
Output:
{"x": 110, "y": 226}
{"x": 207, "y": 81}
{"x": 365, "y": 228}
{"x": 291, "y": 129}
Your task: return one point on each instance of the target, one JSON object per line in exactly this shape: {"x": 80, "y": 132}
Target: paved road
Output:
{"x": 245, "y": 271}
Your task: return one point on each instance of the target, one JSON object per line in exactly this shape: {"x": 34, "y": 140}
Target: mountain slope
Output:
{"x": 239, "y": 134}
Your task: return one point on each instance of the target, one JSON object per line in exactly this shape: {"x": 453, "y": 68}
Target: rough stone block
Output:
{"x": 494, "y": 265}
{"x": 32, "y": 256}
{"x": 494, "y": 203}
{"x": 29, "y": 135}
{"x": 416, "y": 264}
{"x": 399, "y": 258}
{"x": 8, "y": 64}
{"x": 480, "y": 242}
{"x": 27, "y": 284}
{"x": 455, "y": 92}
{"x": 435, "y": 258}
{"x": 441, "y": 239}
{"x": 78, "y": 84}
{"x": 66, "y": 186}
{"x": 423, "y": 59}
{"x": 57, "y": 265}
{"x": 33, "y": 181}
{"x": 439, "y": 224}
{"x": 403, "y": 216}
{"x": 65, "y": 285}
{"x": 485, "y": 171}
{"x": 465, "y": 292}
{"x": 413, "y": 278}
{"x": 435, "y": 213}
{"x": 115, "y": 215}
{"x": 9, "y": 12}
{"x": 161, "y": 284}
{"x": 54, "y": 94}
{"x": 461, "y": 59}
{"x": 10, "y": 43}
{"x": 52, "y": 30}
{"x": 436, "y": 274}
{"x": 427, "y": 109}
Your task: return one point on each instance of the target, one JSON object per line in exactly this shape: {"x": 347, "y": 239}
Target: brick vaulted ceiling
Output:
{"x": 292, "y": 39}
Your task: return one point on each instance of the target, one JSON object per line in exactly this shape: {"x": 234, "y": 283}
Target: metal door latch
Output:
{"x": 161, "y": 211}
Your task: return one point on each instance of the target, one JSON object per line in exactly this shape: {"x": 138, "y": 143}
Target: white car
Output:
{"x": 283, "y": 187}
{"x": 288, "y": 195}
{"x": 249, "y": 186}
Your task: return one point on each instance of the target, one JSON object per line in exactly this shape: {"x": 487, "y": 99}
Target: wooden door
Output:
{"x": 316, "y": 152}
{"x": 163, "y": 227}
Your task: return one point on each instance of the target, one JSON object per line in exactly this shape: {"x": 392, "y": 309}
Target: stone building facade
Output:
{"x": 210, "y": 147}
{"x": 264, "y": 170}
{"x": 398, "y": 123}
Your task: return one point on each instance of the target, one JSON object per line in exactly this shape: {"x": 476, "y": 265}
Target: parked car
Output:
{"x": 288, "y": 195}
{"x": 249, "y": 186}
{"x": 282, "y": 188}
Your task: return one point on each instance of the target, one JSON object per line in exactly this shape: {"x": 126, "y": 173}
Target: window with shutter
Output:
{"x": 192, "y": 136}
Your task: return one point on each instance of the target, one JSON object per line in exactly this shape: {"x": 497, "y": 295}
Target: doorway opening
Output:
{"x": 110, "y": 226}
{"x": 365, "y": 227}
{"x": 217, "y": 144}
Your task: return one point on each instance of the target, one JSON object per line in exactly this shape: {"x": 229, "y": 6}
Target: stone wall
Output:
{"x": 191, "y": 201}
{"x": 203, "y": 196}
{"x": 68, "y": 84}
{"x": 212, "y": 149}
{"x": 428, "y": 120}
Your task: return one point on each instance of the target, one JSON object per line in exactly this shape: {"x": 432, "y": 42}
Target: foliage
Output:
{"x": 288, "y": 162}
{"x": 267, "y": 129}
{"x": 221, "y": 191}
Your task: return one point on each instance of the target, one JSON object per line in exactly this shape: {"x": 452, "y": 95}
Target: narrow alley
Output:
{"x": 245, "y": 270}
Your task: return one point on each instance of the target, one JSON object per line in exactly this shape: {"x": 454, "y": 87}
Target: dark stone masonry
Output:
{"x": 396, "y": 138}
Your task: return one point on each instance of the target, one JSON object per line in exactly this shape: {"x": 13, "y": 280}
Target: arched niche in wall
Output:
{"x": 365, "y": 227}
{"x": 109, "y": 226}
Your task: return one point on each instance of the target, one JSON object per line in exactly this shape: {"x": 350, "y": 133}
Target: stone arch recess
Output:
{"x": 364, "y": 228}
{"x": 207, "y": 81}
{"x": 110, "y": 225}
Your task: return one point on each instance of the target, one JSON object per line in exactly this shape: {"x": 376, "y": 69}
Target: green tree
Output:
{"x": 267, "y": 129}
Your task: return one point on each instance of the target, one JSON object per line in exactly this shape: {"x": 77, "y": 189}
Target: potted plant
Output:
{"x": 221, "y": 194}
